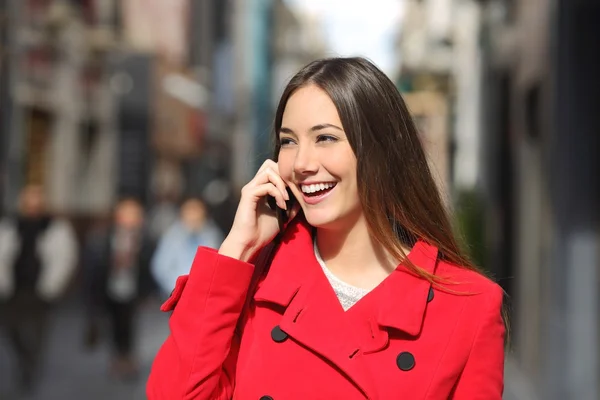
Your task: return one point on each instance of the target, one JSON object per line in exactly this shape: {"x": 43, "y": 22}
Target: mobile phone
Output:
{"x": 282, "y": 215}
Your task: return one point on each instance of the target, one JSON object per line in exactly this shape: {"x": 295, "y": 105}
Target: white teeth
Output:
{"x": 316, "y": 187}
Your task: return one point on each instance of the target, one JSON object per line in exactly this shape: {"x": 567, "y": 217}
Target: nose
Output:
{"x": 306, "y": 161}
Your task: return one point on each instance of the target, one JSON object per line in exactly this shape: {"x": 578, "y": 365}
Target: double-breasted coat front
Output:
{"x": 404, "y": 339}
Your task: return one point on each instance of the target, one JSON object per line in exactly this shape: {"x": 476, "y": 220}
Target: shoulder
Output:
{"x": 174, "y": 232}
{"x": 59, "y": 231}
{"x": 8, "y": 233}
{"x": 479, "y": 293}
{"x": 60, "y": 225}
{"x": 469, "y": 281}
{"x": 473, "y": 305}
{"x": 59, "y": 236}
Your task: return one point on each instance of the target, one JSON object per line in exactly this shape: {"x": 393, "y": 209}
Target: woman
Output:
{"x": 364, "y": 294}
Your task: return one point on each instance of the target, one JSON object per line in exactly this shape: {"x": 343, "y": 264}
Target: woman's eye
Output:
{"x": 326, "y": 138}
{"x": 285, "y": 141}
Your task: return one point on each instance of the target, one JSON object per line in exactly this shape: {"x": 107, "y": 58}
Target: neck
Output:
{"x": 353, "y": 250}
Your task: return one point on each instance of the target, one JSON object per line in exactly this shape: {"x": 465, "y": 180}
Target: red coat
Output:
{"x": 402, "y": 340}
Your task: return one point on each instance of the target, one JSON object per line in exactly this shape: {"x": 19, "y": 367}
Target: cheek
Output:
{"x": 342, "y": 164}
{"x": 285, "y": 164}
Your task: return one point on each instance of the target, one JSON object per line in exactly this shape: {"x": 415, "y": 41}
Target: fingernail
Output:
{"x": 286, "y": 195}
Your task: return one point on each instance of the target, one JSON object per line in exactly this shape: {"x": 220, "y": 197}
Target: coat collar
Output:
{"x": 403, "y": 296}
{"x": 400, "y": 300}
{"x": 313, "y": 316}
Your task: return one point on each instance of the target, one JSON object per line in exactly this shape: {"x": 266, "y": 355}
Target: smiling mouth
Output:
{"x": 318, "y": 189}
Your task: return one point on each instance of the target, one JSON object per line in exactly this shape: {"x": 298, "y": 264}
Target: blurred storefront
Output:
{"x": 60, "y": 129}
{"x": 440, "y": 63}
{"x": 541, "y": 182}
{"x": 4, "y": 99}
{"x": 143, "y": 98}
{"x": 518, "y": 78}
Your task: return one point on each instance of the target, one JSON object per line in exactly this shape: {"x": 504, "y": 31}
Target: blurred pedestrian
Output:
{"x": 38, "y": 256}
{"x": 177, "y": 248}
{"x": 117, "y": 279}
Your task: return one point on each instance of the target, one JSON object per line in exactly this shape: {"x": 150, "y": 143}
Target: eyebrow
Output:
{"x": 315, "y": 128}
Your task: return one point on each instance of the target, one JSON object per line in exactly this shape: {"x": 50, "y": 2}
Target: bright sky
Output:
{"x": 359, "y": 27}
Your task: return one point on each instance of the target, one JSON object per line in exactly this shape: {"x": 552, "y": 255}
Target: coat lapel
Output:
{"x": 398, "y": 303}
{"x": 402, "y": 298}
{"x": 313, "y": 315}
{"x": 314, "y": 318}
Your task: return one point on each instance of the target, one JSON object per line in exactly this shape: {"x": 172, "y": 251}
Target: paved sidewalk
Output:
{"x": 71, "y": 372}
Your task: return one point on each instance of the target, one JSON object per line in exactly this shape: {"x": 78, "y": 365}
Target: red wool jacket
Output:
{"x": 404, "y": 339}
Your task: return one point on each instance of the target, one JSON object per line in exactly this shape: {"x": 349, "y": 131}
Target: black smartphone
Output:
{"x": 282, "y": 215}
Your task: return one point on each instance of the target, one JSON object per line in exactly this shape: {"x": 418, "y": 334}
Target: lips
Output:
{"x": 316, "y": 193}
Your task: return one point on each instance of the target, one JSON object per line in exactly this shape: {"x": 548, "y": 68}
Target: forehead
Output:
{"x": 307, "y": 107}
{"x": 129, "y": 207}
{"x": 193, "y": 205}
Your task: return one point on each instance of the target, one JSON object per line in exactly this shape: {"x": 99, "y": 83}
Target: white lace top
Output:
{"x": 347, "y": 294}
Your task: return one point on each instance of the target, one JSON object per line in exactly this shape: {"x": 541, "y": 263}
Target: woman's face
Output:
{"x": 316, "y": 160}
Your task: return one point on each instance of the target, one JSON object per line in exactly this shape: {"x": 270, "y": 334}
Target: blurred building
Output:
{"x": 4, "y": 99}
{"x": 273, "y": 42}
{"x": 540, "y": 176}
{"x": 145, "y": 98}
{"x": 440, "y": 65}
{"x": 298, "y": 39}
{"x": 517, "y": 78}
{"x": 61, "y": 124}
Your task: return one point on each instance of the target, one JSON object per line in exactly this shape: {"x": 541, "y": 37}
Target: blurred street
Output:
{"x": 124, "y": 147}
{"x": 71, "y": 372}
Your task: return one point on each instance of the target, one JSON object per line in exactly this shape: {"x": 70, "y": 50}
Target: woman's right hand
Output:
{"x": 255, "y": 224}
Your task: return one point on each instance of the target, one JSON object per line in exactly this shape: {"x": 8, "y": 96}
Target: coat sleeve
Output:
{"x": 197, "y": 360}
{"x": 483, "y": 375}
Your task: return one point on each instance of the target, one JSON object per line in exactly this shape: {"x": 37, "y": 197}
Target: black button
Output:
{"x": 278, "y": 335}
{"x": 431, "y": 295}
{"x": 266, "y": 398}
{"x": 405, "y": 361}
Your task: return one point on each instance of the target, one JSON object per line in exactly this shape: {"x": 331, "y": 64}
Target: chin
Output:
{"x": 334, "y": 218}
{"x": 320, "y": 219}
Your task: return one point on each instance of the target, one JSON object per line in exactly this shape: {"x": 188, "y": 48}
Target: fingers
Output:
{"x": 269, "y": 172}
{"x": 269, "y": 189}
{"x": 276, "y": 180}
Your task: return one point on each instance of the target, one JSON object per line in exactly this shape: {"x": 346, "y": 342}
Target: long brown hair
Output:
{"x": 398, "y": 194}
